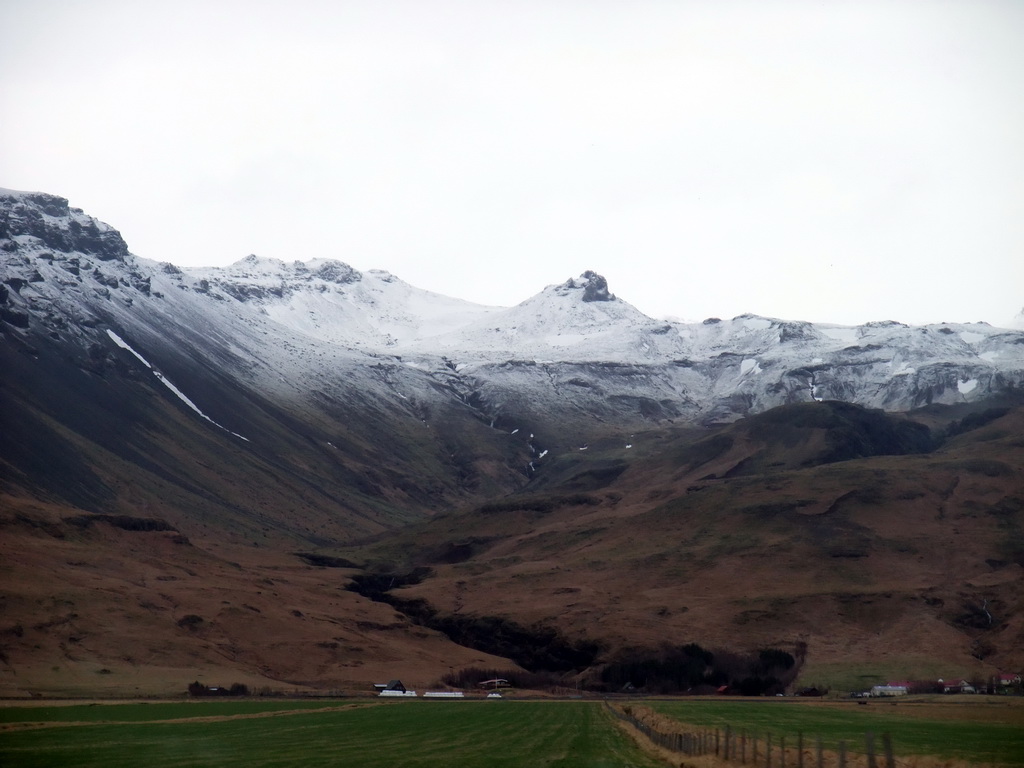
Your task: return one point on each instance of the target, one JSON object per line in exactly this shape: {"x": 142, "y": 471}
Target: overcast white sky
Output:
{"x": 827, "y": 161}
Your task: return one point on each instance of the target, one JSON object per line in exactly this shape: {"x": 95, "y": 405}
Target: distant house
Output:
{"x": 1007, "y": 679}
{"x": 956, "y": 685}
{"x": 394, "y": 688}
{"x": 884, "y": 691}
{"x": 497, "y": 682}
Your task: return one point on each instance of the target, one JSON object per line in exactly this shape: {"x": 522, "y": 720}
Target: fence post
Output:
{"x": 728, "y": 734}
{"x": 782, "y": 752}
{"x": 743, "y": 748}
{"x": 842, "y": 754}
{"x": 768, "y": 751}
{"x": 754, "y": 759}
{"x": 718, "y": 744}
{"x": 890, "y": 759}
{"x": 869, "y": 743}
{"x": 799, "y": 749}
{"x": 821, "y": 757}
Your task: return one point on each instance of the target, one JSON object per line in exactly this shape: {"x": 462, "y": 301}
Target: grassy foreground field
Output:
{"x": 261, "y": 734}
{"x": 975, "y": 729}
{"x": 369, "y": 735}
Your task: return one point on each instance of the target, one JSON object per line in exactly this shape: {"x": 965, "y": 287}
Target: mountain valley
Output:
{"x": 199, "y": 468}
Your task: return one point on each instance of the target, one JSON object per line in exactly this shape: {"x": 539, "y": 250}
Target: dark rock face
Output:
{"x": 244, "y": 292}
{"x": 337, "y": 272}
{"x": 49, "y": 219}
{"x": 140, "y": 282}
{"x": 596, "y": 288}
{"x": 108, "y": 280}
{"x": 51, "y": 205}
{"x": 237, "y": 281}
{"x": 15, "y": 317}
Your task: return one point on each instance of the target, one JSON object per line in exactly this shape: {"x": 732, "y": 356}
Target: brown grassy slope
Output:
{"x": 97, "y": 609}
{"x": 887, "y": 563}
{"x": 911, "y": 561}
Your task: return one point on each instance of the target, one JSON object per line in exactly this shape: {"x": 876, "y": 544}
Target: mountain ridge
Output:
{"x": 746, "y": 363}
{"x": 270, "y": 408}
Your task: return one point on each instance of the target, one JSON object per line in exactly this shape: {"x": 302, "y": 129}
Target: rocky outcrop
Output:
{"x": 593, "y": 285}
{"x": 47, "y": 220}
{"x": 596, "y": 287}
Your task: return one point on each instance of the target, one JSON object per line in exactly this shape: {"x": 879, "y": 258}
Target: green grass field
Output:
{"x": 261, "y": 734}
{"x": 979, "y": 731}
{"x": 387, "y": 735}
{"x": 146, "y": 711}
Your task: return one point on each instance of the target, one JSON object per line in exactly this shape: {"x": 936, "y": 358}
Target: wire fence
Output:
{"x": 749, "y": 748}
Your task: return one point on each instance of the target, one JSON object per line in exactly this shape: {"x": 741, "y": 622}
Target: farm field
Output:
{"x": 154, "y": 711}
{"x": 979, "y": 730}
{"x": 366, "y": 734}
{"x": 371, "y": 733}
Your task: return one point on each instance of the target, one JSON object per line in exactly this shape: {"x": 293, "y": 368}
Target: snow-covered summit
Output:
{"x": 328, "y": 300}
{"x": 67, "y": 276}
{"x": 575, "y": 320}
{"x": 259, "y": 269}
{"x": 593, "y": 286}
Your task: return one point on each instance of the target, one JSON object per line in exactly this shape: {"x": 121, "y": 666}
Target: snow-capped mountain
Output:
{"x": 395, "y": 399}
{"x": 295, "y": 411}
{"x": 67, "y": 276}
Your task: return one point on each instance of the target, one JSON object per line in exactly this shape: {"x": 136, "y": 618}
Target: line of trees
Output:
{"x": 693, "y": 669}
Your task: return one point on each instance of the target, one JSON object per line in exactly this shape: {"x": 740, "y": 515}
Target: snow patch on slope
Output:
{"x": 839, "y": 333}
{"x": 966, "y": 386}
{"x": 167, "y": 383}
{"x": 749, "y": 366}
